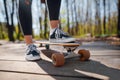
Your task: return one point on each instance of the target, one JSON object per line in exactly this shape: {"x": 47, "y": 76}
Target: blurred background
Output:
{"x": 83, "y": 19}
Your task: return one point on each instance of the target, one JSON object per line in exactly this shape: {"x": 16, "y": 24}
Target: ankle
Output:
{"x": 29, "y": 44}
{"x": 28, "y": 39}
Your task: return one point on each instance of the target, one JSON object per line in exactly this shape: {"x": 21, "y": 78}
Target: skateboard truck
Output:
{"x": 70, "y": 51}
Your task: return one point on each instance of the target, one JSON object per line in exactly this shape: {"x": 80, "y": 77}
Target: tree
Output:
{"x": 109, "y": 17}
{"x": 72, "y": 32}
{"x": 9, "y": 27}
{"x": 118, "y": 32}
{"x": 97, "y": 17}
{"x": 68, "y": 25}
{"x": 19, "y": 30}
{"x": 45, "y": 22}
{"x": 76, "y": 26}
{"x": 104, "y": 20}
{"x": 40, "y": 20}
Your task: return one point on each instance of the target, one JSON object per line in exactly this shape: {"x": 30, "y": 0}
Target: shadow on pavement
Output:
{"x": 89, "y": 70}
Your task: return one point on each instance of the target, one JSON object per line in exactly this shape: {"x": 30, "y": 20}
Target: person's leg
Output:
{"x": 54, "y": 10}
{"x": 56, "y": 35}
{"x": 25, "y": 20}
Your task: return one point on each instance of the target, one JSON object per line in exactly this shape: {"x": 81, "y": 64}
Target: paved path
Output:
{"x": 104, "y": 63}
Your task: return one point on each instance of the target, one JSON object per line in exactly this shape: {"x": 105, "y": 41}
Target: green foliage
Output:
{"x": 93, "y": 29}
{"x": 3, "y": 31}
{"x": 87, "y": 23}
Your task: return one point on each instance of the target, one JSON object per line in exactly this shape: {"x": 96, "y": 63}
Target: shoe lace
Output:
{"x": 32, "y": 47}
{"x": 59, "y": 33}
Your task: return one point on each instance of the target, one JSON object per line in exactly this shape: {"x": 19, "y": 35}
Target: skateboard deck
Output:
{"x": 60, "y": 44}
{"x": 58, "y": 58}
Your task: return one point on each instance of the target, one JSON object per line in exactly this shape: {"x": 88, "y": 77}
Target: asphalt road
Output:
{"x": 104, "y": 64}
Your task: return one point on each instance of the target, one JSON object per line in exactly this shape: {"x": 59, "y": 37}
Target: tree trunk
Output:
{"x": 12, "y": 24}
{"x": 40, "y": 21}
{"x": 76, "y": 21}
{"x": 68, "y": 25}
{"x": 86, "y": 19}
{"x": 19, "y": 29}
{"x": 72, "y": 19}
{"x": 9, "y": 27}
{"x": 45, "y": 23}
{"x": 109, "y": 17}
{"x": 104, "y": 20}
{"x": 97, "y": 17}
{"x": 60, "y": 27}
{"x": 118, "y": 32}
{"x": 41, "y": 32}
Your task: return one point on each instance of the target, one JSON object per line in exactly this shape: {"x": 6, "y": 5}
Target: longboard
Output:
{"x": 60, "y": 44}
{"x": 58, "y": 58}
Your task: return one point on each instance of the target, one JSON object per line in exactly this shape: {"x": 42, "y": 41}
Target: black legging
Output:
{"x": 25, "y": 15}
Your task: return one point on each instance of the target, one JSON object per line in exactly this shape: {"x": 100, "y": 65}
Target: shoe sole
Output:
{"x": 32, "y": 58}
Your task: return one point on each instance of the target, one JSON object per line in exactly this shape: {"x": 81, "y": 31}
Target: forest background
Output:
{"x": 79, "y": 18}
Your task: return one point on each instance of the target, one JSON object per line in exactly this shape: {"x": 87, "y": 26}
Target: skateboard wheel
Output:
{"x": 85, "y": 55}
{"x": 58, "y": 59}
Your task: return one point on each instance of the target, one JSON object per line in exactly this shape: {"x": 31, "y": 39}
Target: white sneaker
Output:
{"x": 59, "y": 36}
{"x": 32, "y": 53}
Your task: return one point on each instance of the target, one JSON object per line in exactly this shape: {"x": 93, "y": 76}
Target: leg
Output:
{"x": 25, "y": 17}
{"x": 25, "y": 20}
{"x": 56, "y": 35}
{"x": 54, "y": 10}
